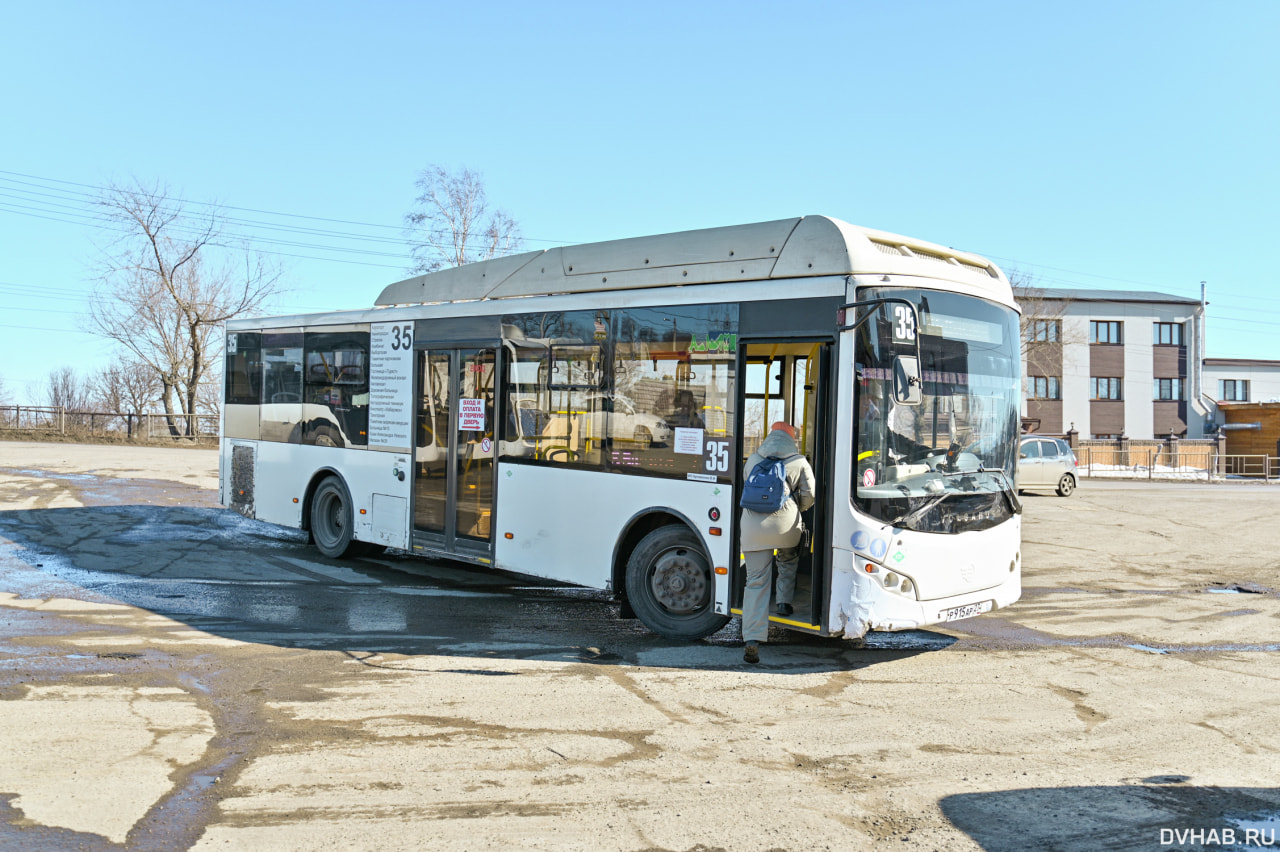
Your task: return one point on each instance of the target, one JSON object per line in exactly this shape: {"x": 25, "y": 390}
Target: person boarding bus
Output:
{"x": 778, "y": 532}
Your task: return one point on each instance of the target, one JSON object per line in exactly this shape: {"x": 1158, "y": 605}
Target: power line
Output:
{"x": 262, "y": 250}
{"x": 38, "y": 328}
{"x": 66, "y": 202}
{"x": 98, "y": 190}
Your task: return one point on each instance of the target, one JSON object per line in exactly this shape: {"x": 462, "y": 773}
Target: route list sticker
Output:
{"x": 391, "y": 386}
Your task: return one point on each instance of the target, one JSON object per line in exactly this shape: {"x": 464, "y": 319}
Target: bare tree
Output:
{"x": 127, "y": 386}
{"x": 167, "y": 286}
{"x": 450, "y": 222}
{"x": 209, "y": 400}
{"x": 4, "y": 396}
{"x": 1043, "y": 332}
{"x": 67, "y": 389}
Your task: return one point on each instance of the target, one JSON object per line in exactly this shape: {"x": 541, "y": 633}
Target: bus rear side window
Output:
{"x": 281, "y": 412}
{"x": 243, "y": 392}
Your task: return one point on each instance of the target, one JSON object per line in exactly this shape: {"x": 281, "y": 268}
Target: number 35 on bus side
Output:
{"x": 715, "y": 456}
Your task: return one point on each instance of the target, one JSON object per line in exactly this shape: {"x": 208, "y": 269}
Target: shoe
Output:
{"x": 751, "y": 653}
{"x": 785, "y": 609}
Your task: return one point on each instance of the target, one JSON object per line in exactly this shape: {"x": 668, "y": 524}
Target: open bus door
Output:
{"x": 790, "y": 379}
{"x": 454, "y": 452}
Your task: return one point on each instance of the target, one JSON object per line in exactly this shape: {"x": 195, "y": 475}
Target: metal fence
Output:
{"x": 1253, "y": 467}
{"x": 138, "y": 427}
{"x": 1165, "y": 463}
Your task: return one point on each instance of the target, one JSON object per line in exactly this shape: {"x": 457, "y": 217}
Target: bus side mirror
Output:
{"x": 906, "y": 380}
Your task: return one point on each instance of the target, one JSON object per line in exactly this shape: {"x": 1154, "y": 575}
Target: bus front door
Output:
{"x": 789, "y": 380}
{"x": 455, "y": 447}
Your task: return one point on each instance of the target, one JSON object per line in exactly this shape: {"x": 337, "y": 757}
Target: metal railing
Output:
{"x": 141, "y": 427}
{"x": 1163, "y": 463}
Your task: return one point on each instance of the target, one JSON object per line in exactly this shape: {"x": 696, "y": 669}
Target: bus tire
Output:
{"x": 670, "y": 585}
{"x": 332, "y": 519}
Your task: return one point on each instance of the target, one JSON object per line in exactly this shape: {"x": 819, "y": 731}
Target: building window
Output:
{"x": 1233, "y": 390}
{"x": 1167, "y": 334}
{"x": 1102, "y": 436}
{"x": 1108, "y": 388}
{"x": 1045, "y": 387}
{"x": 1105, "y": 332}
{"x": 1042, "y": 331}
{"x": 1168, "y": 389}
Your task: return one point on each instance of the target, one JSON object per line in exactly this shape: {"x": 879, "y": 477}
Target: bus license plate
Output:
{"x": 966, "y": 611}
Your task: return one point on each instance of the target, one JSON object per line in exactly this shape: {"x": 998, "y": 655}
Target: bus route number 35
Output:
{"x": 715, "y": 456}
{"x": 402, "y": 337}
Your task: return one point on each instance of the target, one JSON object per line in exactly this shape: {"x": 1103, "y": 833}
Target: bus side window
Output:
{"x": 673, "y": 372}
{"x": 243, "y": 392}
{"x": 280, "y": 417}
{"x": 556, "y": 388}
{"x": 336, "y": 403}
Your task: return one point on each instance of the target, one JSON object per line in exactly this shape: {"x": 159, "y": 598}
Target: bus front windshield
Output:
{"x": 946, "y": 465}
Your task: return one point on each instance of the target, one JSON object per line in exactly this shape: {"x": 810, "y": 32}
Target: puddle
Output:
{"x": 44, "y": 474}
{"x": 1256, "y": 832}
{"x": 907, "y": 640}
{"x": 1148, "y": 649}
{"x": 1240, "y": 589}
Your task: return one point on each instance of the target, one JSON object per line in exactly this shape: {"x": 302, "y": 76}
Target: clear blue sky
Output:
{"x": 1102, "y": 145}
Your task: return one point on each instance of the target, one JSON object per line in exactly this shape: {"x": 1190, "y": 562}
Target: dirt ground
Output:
{"x": 173, "y": 676}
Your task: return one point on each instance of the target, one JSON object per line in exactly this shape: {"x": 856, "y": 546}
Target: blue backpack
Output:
{"x": 766, "y": 487}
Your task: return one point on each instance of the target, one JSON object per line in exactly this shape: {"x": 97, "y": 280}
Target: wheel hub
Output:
{"x": 680, "y": 581}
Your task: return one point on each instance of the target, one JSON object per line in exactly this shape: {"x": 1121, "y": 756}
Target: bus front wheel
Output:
{"x": 332, "y": 521}
{"x": 670, "y": 585}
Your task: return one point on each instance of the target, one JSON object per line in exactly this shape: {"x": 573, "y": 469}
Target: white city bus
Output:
{"x": 583, "y": 414}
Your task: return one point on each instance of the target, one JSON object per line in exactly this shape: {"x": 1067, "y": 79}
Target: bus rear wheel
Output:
{"x": 670, "y": 584}
{"x": 332, "y": 521}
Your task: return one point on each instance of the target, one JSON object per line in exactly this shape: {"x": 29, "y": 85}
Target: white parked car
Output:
{"x": 1046, "y": 463}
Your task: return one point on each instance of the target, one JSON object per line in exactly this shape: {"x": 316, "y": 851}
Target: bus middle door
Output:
{"x": 454, "y": 452}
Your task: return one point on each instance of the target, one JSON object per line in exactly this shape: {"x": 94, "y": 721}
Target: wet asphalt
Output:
{"x": 167, "y": 549}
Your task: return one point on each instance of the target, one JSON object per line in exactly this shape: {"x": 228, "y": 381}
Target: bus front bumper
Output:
{"x": 861, "y": 603}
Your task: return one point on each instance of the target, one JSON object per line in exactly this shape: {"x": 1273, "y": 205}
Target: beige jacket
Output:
{"x": 783, "y": 527}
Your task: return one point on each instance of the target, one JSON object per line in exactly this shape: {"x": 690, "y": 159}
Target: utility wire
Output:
{"x": 96, "y": 192}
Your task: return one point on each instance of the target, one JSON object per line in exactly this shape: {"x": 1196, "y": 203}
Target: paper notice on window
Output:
{"x": 688, "y": 441}
{"x": 471, "y": 415}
